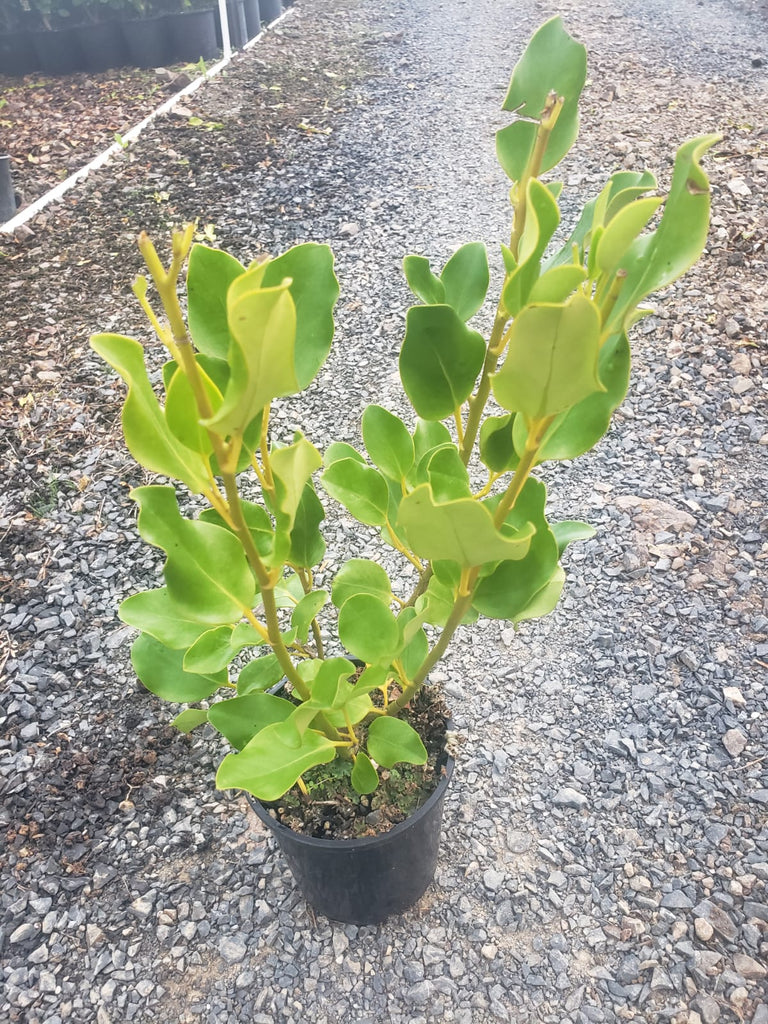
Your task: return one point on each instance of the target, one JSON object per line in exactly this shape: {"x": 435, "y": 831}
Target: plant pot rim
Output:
{"x": 381, "y": 839}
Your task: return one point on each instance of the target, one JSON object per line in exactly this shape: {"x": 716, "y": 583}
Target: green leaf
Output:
{"x": 181, "y": 411}
{"x": 556, "y": 285}
{"x": 262, "y": 323}
{"x": 511, "y": 586}
{"x": 257, "y": 520}
{"x": 239, "y": 719}
{"x": 330, "y": 687}
{"x": 307, "y": 543}
{"x": 161, "y": 671}
{"x": 497, "y": 447}
{"x": 314, "y": 290}
{"x": 582, "y": 426}
{"x": 292, "y": 467}
{"x": 364, "y": 778}
{"x": 545, "y": 600}
{"x": 209, "y": 275}
{"x": 448, "y": 475}
{"x": 422, "y": 281}
{"x": 305, "y": 611}
{"x": 147, "y": 434}
{"x": 428, "y": 435}
{"x": 659, "y": 258}
{"x": 622, "y": 231}
{"x": 360, "y": 576}
{"x": 369, "y": 630}
{"x": 439, "y": 361}
{"x": 216, "y": 648}
{"x": 552, "y": 61}
{"x": 338, "y": 450}
{"x": 206, "y": 570}
{"x": 190, "y": 719}
{"x": 259, "y": 674}
{"x": 391, "y": 740}
{"x": 361, "y": 490}
{"x": 465, "y": 277}
{"x": 388, "y": 442}
{"x": 570, "y": 530}
{"x": 540, "y": 224}
{"x": 155, "y": 612}
{"x": 461, "y": 531}
{"x": 268, "y": 766}
{"x": 551, "y": 360}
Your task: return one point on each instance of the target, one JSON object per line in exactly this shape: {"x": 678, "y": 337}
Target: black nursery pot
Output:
{"x": 17, "y": 54}
{"x": 252, "y": 18}
{"x": 146, "y": 42}
{"x": 57, "y": 51}
{"x": 102, "y": 46}
{"x": 192, "y": 34}
{"x": 270, "y": 9}
{"x": 363, "y": 881}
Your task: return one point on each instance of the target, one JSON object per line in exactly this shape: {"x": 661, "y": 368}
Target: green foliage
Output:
{"x": 240, "y": 601}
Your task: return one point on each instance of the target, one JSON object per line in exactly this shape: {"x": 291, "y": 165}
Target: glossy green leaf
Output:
{"x": 552, "y": 61}
{"x": 190, "y": 719}
{"x": 510, "y": 586}
{"x": 497, "y": 447}
{"x": 465, "y": 279}
{"x": 338, "y": 450}
{"x": 209, "y": 275}
{"x": 448, "y": 475}
{"x": 369, "y": 630}
{"x": 307, "y": 543}
{"x": 582, "y": 426}
{"x": 181, "y": 411}
{"x": 292, "y": 467}
{"x": 545, "y": 600}
{"x": 461, "y": 531}
{"x": 147, "y": 434}
{"x": 422, "y": 281}
{"x": 659, "y": 258}
{"x": 360, "y": 576}
{"x": 570, "y": 530}
{"x": 305, "y": 611}
{"x": 216, "y": 648}
{"x": 388, "y": 442}
{"x": 436, "y": 604}
{"x": 551, "y": 359}
{"x": 364, "y": 778}
{"x": 206, "y": 571}
{"x": 239, "y": 719}
{"x": 361, "y": 490}
{"x": 314, "y": 290}
{"x": 259, "y": 674}
{"x": 268, "y": 766}
{"x": 262, "y": 323}
{"x": 540, "y": 224}
{"x": 439, "y": 361}
{"x": 161, "y": 670}
{"x": 258, "y": 522}
{"x": 155, "y": 612}
{"x": 622, "y": 231}
{"x": 557, "y": 284}
{"x": 428, "y": 435}
{"x": 391, "y": 740}
{"x": 330, "y": 687}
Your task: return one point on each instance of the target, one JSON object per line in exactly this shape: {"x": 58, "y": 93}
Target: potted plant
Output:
{"x": 56, "y": 46}
{"x": 191, "y": 28}
{"x": 245, "y": 607}
{"x": 145, "y": 35}
{"x": 99, "y": 34}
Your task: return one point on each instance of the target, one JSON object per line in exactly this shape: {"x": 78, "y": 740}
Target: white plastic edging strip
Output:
{"x": 130, "y": 136}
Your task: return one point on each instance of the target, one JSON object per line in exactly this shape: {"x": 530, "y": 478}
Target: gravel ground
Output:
{"x": 606, "y": 846}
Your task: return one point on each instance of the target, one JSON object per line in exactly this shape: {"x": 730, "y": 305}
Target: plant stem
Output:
{"x": 536, "y": 432}
{"x": 549, "y": 116}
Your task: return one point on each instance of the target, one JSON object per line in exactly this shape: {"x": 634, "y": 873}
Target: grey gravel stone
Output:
{"x": 567, "y": 797}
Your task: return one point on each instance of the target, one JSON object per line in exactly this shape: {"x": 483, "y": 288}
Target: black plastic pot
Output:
{"x": 252, "y": 18}
{"x": 146, "y": 42}
{"x": 58, "y": 51}
{"x": 17, "y": 54}
{"x": 363, "y": 881}
{"x": 8, "y": 198}
{"x": 238, "y": 33}
{"x": 102, "y": 46}
{"x": 192, "y": 35}
{"x": 270, "y": 9}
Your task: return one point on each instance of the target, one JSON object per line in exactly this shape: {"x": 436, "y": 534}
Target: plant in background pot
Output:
{"x": 248, "y": 602}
